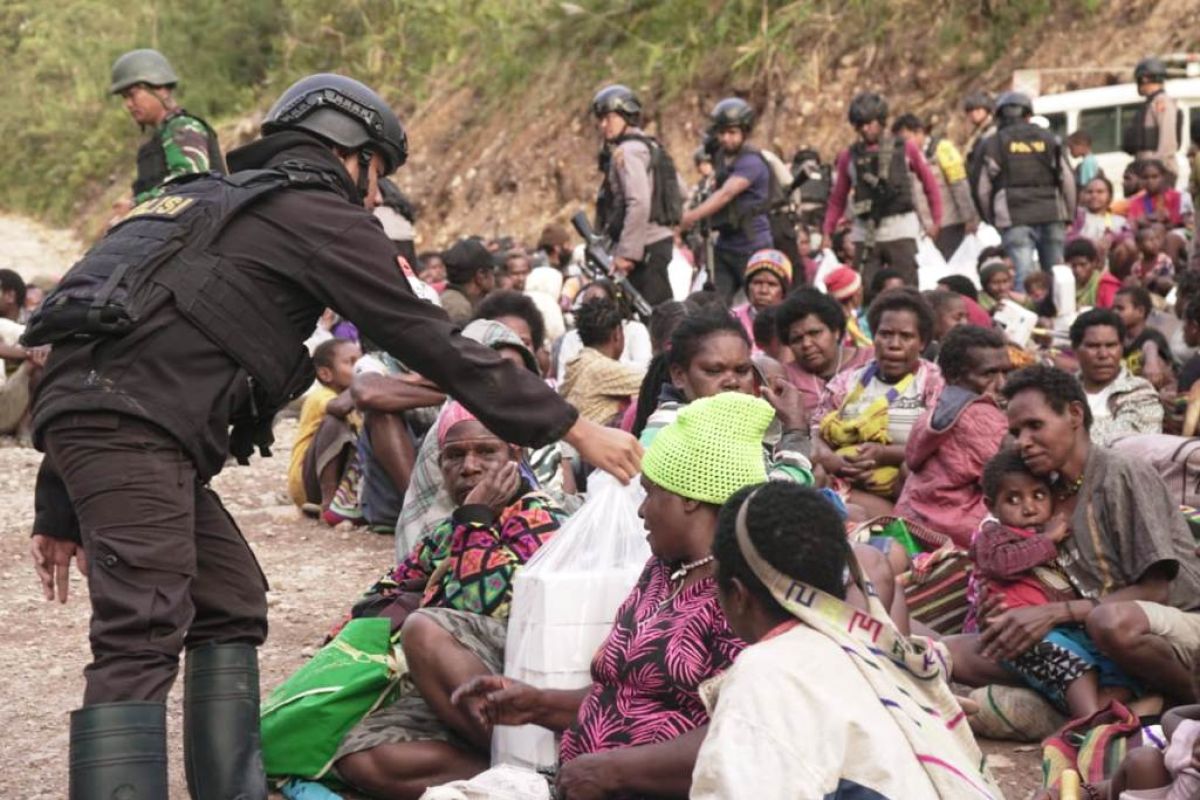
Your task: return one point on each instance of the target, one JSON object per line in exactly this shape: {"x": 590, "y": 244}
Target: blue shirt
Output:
{"x": 754, "y": 169}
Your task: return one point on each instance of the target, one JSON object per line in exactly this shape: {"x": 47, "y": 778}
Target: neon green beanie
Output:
{"x": 712, "y": 449}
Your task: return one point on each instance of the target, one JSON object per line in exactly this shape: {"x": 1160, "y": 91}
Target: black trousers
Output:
{"x": 167, "y": 566}
{"x": 649, "y": 276}
{"x": 900, "y": 255}
{"x": 949, "y": 238}
{"x": 730, "y": 271}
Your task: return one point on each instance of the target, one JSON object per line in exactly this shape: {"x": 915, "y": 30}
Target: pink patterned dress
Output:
{"x": 647, "y": 674}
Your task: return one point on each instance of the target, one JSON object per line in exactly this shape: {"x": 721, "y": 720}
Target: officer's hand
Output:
{"x": 609, "y": 449}
{"x": 932, "y": 231}
{"x": 972, "y": 228}
{"x": 52, "y": 562}
{"x": 623, "y": 266}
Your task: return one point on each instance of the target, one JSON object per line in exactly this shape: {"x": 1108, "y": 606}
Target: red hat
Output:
{"x": 842, "y": 283}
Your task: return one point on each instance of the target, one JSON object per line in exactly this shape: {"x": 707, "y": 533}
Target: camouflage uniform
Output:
{"x": 181, "y": 145}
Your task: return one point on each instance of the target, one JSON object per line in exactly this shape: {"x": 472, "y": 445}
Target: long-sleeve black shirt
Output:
{"x": 305, "y": 250}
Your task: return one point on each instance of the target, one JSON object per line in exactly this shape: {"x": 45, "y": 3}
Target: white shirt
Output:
{"x": 10, "y": 334}
{"x": 1098, "y": 402}
{"x": 793, "y": 719}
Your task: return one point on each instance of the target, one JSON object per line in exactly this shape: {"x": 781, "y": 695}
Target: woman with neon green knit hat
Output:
{"x": 636, "y": 731}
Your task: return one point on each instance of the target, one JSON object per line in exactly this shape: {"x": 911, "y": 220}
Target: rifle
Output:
{"x": 598, "y": 262}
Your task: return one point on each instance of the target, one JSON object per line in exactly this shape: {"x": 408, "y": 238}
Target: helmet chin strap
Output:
{"x": 365, "y": 157}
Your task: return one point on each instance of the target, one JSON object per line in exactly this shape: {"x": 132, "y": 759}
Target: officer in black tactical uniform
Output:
{"x": 639, "y": 201}
{"x": 1025, "y": 187}
{"x": 180, "y": 143}
{"x": 186, "y": 318}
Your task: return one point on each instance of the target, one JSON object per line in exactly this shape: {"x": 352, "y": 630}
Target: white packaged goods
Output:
{"x": 564, "y": 603}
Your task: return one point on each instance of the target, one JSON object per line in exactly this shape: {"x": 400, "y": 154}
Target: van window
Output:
{"x": 1194, "y": 124}
{"x": 1058, "y": 123}
{"x": 1105, "y": 125}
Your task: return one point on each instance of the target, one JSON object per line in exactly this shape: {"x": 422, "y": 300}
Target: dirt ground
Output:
{"x": 314, "y": 573}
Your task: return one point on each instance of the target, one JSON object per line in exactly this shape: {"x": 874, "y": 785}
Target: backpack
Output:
{"x": 1175, "y": 458}
{"x": 666, "y": 201}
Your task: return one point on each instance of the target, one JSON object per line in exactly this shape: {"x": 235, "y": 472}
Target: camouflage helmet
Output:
{"x": 141, "y": 66}
{"x": 342, "y": 111}
{"x": 733, "y": 112}
{"x": 619, "y": 99}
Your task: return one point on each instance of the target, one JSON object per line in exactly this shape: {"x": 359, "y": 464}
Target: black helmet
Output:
{"x": 342, "y": 111}
{"x": 1150, "y": 70}
{"x": 1014, "y": 104}
{"x": 977, "y": 99}
{"x": 701, "y": 155}
{"x": 733, "y": 112}
{"x": 619, "y": 99}
{"x": 867, "y": 107}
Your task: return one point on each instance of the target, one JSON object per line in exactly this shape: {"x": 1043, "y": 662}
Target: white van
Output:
{"x": 1106, "y": 111}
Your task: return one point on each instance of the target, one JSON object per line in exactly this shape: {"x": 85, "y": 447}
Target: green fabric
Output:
{"x": 1086, "y": 296}
{"x": 712, "y": 449}
{"x": 305, "y": 718}
{"x": 896, "y": 529}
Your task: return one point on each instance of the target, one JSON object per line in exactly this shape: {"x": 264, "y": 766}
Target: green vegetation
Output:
{"x": 63, "y": 139}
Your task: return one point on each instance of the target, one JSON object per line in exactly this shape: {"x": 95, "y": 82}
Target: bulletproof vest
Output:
{"x": 1139, "y": 137}
{"x": 882, "y": 182}
{"x": 666, "y": 200}
{"x": 152, "y": 159}
{"x": 734, "y": 216}
{"x": 1028, "y": 157}
{"x": 161, "y": 253}
{"x": 816, "y": 184}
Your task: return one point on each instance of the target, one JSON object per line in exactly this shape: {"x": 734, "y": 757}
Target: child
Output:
{"x": 1015, "y": 554}
{"x": 1153, "y": 267}
{"x": 845, "y": 285}
{"x": 996, "y": 278}
{"x": 325, "y": 441}
{"x": 1079, "y": 144}
{"x": 1169, "y": 774}
{"x": 1037, "y": 292}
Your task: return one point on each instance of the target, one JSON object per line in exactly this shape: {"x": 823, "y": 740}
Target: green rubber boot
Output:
{"x": 222, "y": 753}
{"x": 119, "y": 752}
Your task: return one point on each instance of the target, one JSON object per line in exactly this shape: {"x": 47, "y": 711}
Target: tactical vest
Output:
{"x": 1028, "y": 157}
{"x": 882, "y": 188}
{"x": 735, "y": 217}
{"x": 152, "y": 159}
{"x": 666, "y": 200}
{"x": 1139, "y": 137}
{"x": 160, "y": 253}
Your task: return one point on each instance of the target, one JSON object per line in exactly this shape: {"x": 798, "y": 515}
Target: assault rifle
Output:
{"x": 599, "y": 264}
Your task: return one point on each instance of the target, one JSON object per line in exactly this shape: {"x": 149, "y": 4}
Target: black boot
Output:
{"x": 221, "y": 749}
{"x": 119, "y": 752}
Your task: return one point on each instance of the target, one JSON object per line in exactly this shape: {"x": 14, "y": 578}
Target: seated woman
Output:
{"x": 813, "y": 326}
{"x": 427, "y": 503}
{"x": 880, "y": 719}
{"x": 635, "y": 731}
{"x": 768, "y": 280}
{"x": 1095, "y": 220}
{"x": 637, "y": 351}
{"x": 1120, "y": 403}
{"x": 463, "y": 573}
{"x": 863, "y": 421}
{"x": 1160, "y": 203}
{"x": 710, "y": 354}
{"x": 949, "y": 446}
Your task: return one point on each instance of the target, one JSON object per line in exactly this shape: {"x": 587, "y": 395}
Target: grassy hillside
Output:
{"x": 503, "y": 67}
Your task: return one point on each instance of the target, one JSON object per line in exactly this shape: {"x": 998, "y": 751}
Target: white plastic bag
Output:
{"x": 931, "y": 266}
{"x": 965, "y": 260}
{"x": 564, "y": 602}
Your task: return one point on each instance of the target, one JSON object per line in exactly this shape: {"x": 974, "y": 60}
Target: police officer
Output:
{"x": 134, "y": 417}
{"x": 739, "y": 206}
{"x": 883, "y": 170}
{"x": 1154, "y": 131}
{"x": 180, "y": 143}
{"x": 626, "y": 209}
{"x": 1025, "y": 187}
{"x": 812, "y": 182}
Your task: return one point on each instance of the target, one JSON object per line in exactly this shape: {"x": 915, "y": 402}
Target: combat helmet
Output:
{"x": 344, "y": 112}
{"x": 141, "y": 66}
{"x": 1150, "y": 70}
{"x": 867, "y": 107}
{"x": 733, "y": 112}
{"x": 617, "y": 99}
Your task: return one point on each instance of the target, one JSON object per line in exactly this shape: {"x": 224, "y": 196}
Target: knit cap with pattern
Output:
{"x": 712, "y": 449}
